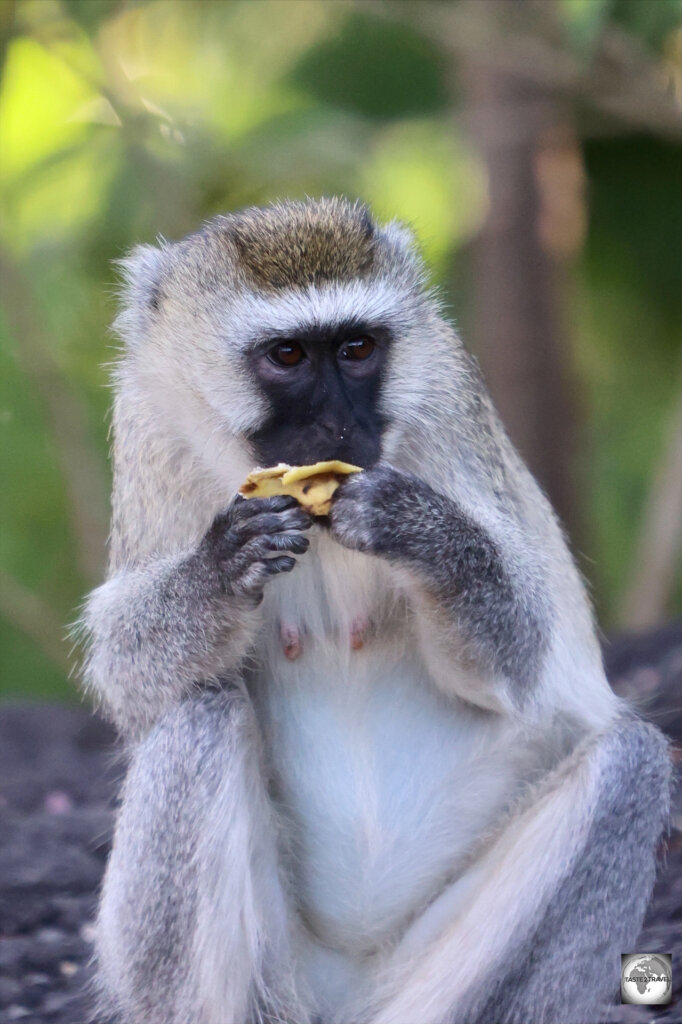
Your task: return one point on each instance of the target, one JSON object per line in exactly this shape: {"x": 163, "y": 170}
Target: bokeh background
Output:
{"x": 535, "y": 146}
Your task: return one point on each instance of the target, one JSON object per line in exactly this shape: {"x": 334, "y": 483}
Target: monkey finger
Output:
{"x": 237, "y": 509}
{"x": 254, "y": 553}
{"x": 253, "y": 580}
{"x": 243, "y": 508}
{"x": 259, "y": 547}
{"x": 289, "y": 541}
{"x": 251, "y": 583}
{"x": 268, "y": 523}
{"x": 282, "y": 563}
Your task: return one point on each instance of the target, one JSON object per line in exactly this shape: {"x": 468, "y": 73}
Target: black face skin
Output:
{"x": 323, "y": 385}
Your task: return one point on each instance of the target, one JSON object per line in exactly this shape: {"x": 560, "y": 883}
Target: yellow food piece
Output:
{"x": 312, "y": 486}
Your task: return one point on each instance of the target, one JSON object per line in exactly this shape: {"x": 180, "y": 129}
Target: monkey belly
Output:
{"x": 384, "y": 786}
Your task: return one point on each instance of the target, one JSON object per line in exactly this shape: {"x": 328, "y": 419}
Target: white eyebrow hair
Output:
{"x": 253, "y": 318}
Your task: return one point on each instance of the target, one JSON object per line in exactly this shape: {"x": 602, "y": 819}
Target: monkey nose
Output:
{"x": 334, "y": 429}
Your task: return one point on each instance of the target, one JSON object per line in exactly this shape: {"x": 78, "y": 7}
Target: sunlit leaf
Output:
{"x": 39, "y": 97}
{"x": 64, "y": 195}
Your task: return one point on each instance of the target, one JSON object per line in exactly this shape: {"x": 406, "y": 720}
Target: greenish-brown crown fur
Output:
{"x": 295, "y": 244}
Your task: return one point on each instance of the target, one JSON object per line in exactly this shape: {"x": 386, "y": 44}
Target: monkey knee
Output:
{"x": 631, "y": 814}
{"x": 636, "y": 771}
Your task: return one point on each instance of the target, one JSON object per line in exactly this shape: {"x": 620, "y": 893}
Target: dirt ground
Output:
{"x": 59, "y": 774}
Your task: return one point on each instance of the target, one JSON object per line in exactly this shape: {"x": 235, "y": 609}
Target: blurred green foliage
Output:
{"x": 375, "y": 69}
{"x": 121, "y": 121}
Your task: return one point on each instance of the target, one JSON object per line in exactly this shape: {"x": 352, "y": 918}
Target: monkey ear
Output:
{"x": 401, "y": 241}
{"x": 141, "y": 291}
{"x": 402, "y": 237}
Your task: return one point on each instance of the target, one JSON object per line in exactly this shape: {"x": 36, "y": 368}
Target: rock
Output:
{"x": 10, "y": 990}
{"x": 16, "y": 1012}
{"x": 13, "y": 953}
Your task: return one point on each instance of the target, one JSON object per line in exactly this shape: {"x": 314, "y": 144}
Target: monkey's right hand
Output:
{"x": 239, "y": 544}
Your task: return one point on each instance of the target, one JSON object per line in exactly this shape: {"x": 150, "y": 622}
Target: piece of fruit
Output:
{"x": 312, "y": 486}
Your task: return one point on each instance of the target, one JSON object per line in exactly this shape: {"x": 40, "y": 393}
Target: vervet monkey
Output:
{"x": 377, "y": 774}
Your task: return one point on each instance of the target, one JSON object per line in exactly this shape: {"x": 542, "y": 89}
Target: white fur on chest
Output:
{"x": 383, "y": 783}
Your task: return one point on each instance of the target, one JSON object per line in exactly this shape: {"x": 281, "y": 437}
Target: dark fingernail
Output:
{"x": 298, "y": 523}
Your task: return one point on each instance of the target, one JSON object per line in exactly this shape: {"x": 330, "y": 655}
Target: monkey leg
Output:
{"x": 533, "y": 933}
{"x": 193, "y": 926}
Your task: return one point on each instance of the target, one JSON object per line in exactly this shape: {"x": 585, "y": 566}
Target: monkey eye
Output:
{"x": 357, "y": 349}
{"x": 287, "y": 353}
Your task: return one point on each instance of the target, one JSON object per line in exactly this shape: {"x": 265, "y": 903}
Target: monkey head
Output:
{"x": 289, "y": 327}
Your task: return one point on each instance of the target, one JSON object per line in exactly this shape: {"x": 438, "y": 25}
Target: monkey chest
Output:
{"x": 378, "y": 780}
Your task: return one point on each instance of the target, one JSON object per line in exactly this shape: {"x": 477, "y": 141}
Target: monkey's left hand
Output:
{"x": 384, "y": 511}
{"x": 400, "y": 517}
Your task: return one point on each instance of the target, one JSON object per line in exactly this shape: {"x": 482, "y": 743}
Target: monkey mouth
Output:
{"x": 302, "y": 454}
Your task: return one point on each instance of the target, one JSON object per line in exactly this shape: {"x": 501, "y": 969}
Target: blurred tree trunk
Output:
{"x": 646, "y": 601}
{"x": 535, "y": 221}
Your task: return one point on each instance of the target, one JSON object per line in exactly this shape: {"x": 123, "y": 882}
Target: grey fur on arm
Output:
{"x": 465, "y": 585}
{"x": 160, "y": 628}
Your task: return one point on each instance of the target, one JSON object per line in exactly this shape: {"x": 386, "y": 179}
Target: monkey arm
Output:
{"x": 534, "y": 929}
{"x": 473, "y": 602}
{"x": 154, "y": 632}
{"x": 160, "y": 628}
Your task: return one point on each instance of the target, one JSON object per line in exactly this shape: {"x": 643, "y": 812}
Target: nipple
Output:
{"x": 358, "y": 632}
{"x": 291, "y": 641}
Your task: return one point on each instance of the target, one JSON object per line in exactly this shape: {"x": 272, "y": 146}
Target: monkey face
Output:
{"x": 323, "y": 389}
{"x": 295, "y": 333}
